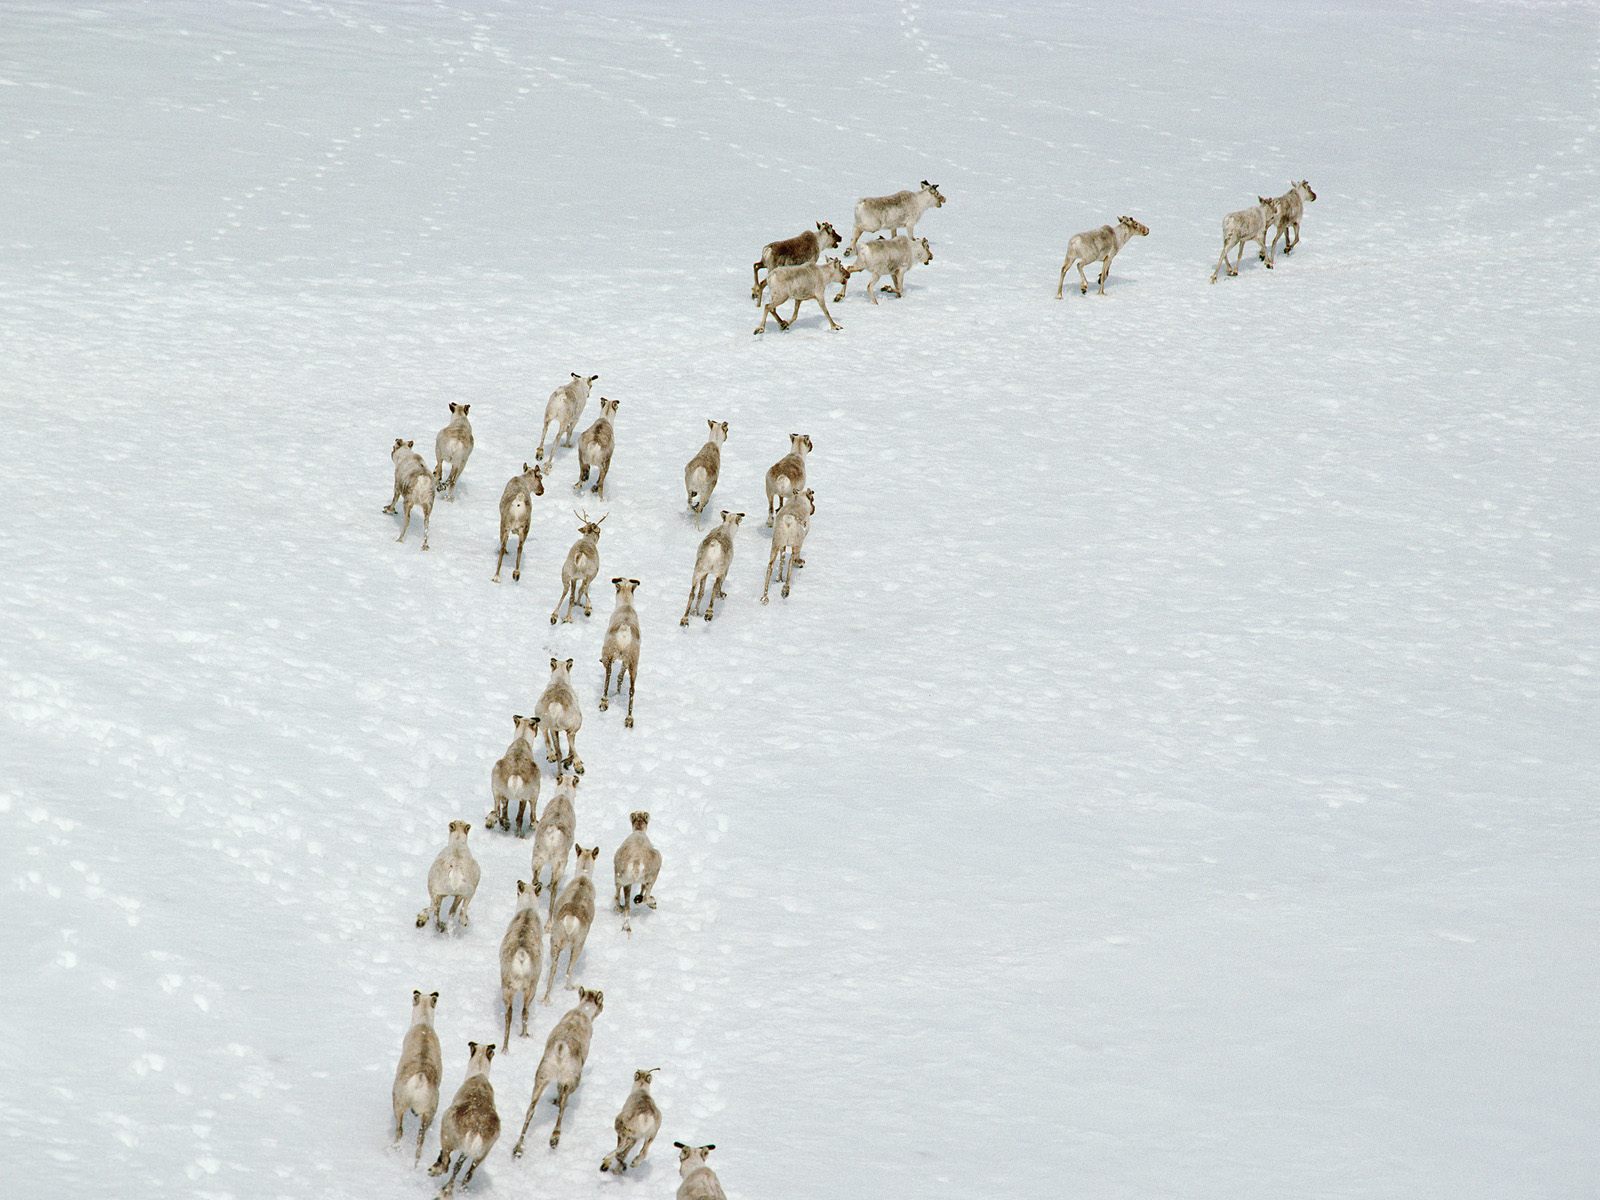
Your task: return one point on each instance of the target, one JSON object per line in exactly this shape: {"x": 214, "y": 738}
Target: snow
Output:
{"x": 1172, "y": 773}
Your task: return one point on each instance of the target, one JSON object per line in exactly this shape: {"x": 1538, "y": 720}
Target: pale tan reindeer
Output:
{"x": 520, "y": 952}
{"x": 515, "y": 776}
{"x": 416, "y": 1079}
{"x": 799, "y": 284}
{"x": 892, "y": 257}
{"x": 559, "y": 713}
{"x": 1290, "y": 207}
{"x": 552, "y": 840}
{"x": 516, "y": 514}
{"x": 572, "y": 916}
{"x": 901, "y": 210}
{"x": 799, "y": 251}
{"x": 711, "y": 563}
{"x": 639, "y": 1121}
{"x": 697, "y": 1181}
{"x": 414, "y": 484}
{"x": 454, "y": 874}
{"x": 563, "y": 409}
{"x": 787, "y": 476}
{"x": 471, "y": 1125}
{"x": 1101, "y": 246}
{"x": 788, "y": 537}
{"x": 581, "y": 566}
{"x": 1240, "y": 228}
{"x": 565, "y": 1052}
{"x": 700, "y": 476}
{"x": 595, "y": 447}
{"x": 634, "y": 868}
{"x": 452, "y": 447}
{"x": 621, "y": 648}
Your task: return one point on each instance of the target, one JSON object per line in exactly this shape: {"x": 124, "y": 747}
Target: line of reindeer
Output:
{"x": 470, "y": 1126}
{"x": 794, "y": 272}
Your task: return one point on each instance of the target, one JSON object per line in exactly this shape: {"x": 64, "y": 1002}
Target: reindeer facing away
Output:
{"x": 581, "y": 566}
{"x": 621, "y": 648}
{"x": 639, "y": 1121}
{"x": 516, "y": 514}
{"x": 711, "y": 563}
{"x": 471, "y": 1125}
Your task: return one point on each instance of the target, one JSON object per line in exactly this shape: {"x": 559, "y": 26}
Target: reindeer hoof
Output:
{"x": 604, "y": 704}
{"x": 627, "y": 723}
{"x": 786, "y": 591}
{"x": 516, "y": 576}
{"x": 684, "y": 622}
{"x": 516, "y": 1151}
{"x": 390, "y": 510}
{"x": 763, "y": 599}
{"x": 552, "y": 618}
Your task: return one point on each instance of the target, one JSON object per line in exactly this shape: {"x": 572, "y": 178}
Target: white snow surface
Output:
{"x": 1173, "y": 774}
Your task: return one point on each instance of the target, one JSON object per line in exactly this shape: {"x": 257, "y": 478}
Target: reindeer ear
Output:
{"x": 575, "y": 375}
{"x": 552, "y": 664}
{"x": 416, "y": 994}
{"x": 710, "y": 1148}
{"x": 465, "y": 408}
{"x": 680, "y": 1145}
{"x": 410, "y": 444}
{"x": 452, "y": 406}
{"x": 489, "y": 1051}
{"x": 472, "y": 1047}
{"x": 569, "y": 664}
{"x": 635, "y": 582}
{"x": 434, "y": 996}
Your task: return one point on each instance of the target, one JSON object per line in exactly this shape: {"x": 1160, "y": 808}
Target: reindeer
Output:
{"x": 875, "y": 213}
{"x": 787, "y": 476}
{"x": 565, "y": 1052}
{"x": 799, "y": 251}
{"x": 595, "y": 447}
{"x": 520, "y": 951}
{"x": 559, "y": 713}
{"x": 1098, "y": 245}
{"x": 471, "y": 1126}
{"x": 788, "y": 536}
{"x": 571, "y": 916}
{"x": 892, "y": 257}
{"x": 580, "y": 568}
{"x": 563, "y": 409}
{"x": 416, "y": 1079}
{"x": 1238, "y": 228}
{"x": 455, "y": 874}
{"x": 639, "y": 1121}
{"x": 452, "y": 446}
{"x": 515, "y": 777}
{"x": 799, "y": 284}
{"x": 696, "y": 1180}
{"x": 634, "y": 869}
{"x": 700, "y": 476}
{"x": 711, "y": 562}
{"x": 552, "y": 840}
{"x": 1289, "y": 208}
{"x": 413, "y": 482}
{"x": 621, "y": 647}
{"x": 516, "y": 513}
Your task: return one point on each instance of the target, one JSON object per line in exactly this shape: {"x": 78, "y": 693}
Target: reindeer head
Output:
{"x": 730, "y": 519}
{"x": 533, "y": 477}
{"x": 811, "y": 499}
{"x": 588, "y": 527}
{"x": 830, "y": 236}
{"x": 584, "y": 860}
{"x": 800, "y": 443}
{"x": 595, "y": 998}
{"x": 559, "y": 669}
{"x": 833, "y": 271}
{"x": 625, "y": 587}
{"x": 460, "y": 409}
{"x": 692, "y": 1158}
{"x": 639, "y": 820}
{"x": 526, "y": 727}
{"x": 422, "y": 1006}
{"x": 719, "y": 431}
{"x": 933, "y": 190}
{"x": 641, "y": 1079}
{"x": 479, "y": 1058}
{"x": 1304, "y": 189}
{"x": 608, "y": 408}
{"x": 925, "y": 256}
{"x": 1133, "y": 226}
{"x": 459, "y": 831}
{"x": 525, "y": 895}
{"x": 400, "y": 445}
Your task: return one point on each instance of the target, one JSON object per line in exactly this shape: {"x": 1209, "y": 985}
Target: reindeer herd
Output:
{"x": 787, "y": 271}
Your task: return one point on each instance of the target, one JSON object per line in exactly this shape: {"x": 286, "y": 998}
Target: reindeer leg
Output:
{"x": 390, "y": 507}
{"x": 646, "y": 1150}
{"x": 633, "y": 678}
{"x": 605, "y": 692}
{"x": 539, "y": 1083}
{"x": 500, "y": 560}
{"x": 767, "y": 586}
{"x": 406, "y": 524}
{"x": 1083, "y": 288}
{"x": 1061, "y": 283}
{"x": 427, "y": 516}
{"x": 561, "y": 1112}
{"x": 1105, "y": 273}
{"x": 506, "y": 995}
{"x": 823, "y": 304}
{"x": 516, "y": 569}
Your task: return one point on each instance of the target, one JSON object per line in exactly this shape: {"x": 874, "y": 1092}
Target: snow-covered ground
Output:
{"x": 1173, "y": 774}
